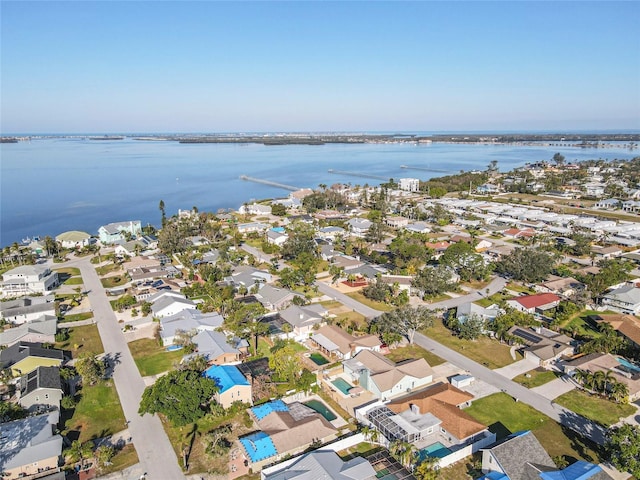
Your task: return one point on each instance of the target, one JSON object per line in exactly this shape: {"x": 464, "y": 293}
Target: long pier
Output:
{"x": 270, "y": 183}
{"x": 425, "y": 169}
{"x": 356, "y": 174}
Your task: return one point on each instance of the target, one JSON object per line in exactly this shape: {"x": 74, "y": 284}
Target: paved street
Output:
{"x": 349, "y": 302}
{"x": 155, "y": 452}
{"x": 555, "y": 388}
{"x": 516, "y": 368}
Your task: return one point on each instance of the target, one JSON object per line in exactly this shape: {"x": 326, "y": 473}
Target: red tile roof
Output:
{"x": 533, "y": 301}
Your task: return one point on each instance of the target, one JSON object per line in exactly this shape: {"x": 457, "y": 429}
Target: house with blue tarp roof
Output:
{"x": 232, "y": 384}
{"x": 284, "y": 429}
{"x": 580, "y": 470}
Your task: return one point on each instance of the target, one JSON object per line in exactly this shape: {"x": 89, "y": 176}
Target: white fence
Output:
{"x": 466, "y": 451}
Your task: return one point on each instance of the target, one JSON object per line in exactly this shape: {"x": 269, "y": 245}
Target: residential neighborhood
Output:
{"x": 406, "y": 330}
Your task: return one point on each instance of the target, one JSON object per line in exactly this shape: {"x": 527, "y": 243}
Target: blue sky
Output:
{"x": 319, "y": 66}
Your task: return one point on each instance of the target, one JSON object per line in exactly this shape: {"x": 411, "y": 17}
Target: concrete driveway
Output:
{"x": 517, "y": 368}
{"x": 555, "y": 388}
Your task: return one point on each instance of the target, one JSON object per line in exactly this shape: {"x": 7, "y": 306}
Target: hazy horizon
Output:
{"x": 319, "y": 66}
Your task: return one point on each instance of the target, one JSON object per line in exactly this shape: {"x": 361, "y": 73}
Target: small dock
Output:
{"x": 284, "y": 186}
{"x": 424, "y": 169}
{"x": 357, "y": 174}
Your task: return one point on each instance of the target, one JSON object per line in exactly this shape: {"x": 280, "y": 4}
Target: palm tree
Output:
{"x": 608, "y": 381}
{"x": 371, "y": 434}
{"x": 598, "y": 380}
{"x": 619, "y": 392}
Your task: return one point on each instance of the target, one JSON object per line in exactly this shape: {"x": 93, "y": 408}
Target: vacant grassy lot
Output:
{"x": 76, "y": 317}
{"x": 536, "y": 377}
{"x": 97, "y": 414}
{"x": 74, "y": 281}
{"x": 505, "y": 416}
{"x": 383, "y": 307}
{"x": 114, "y": 281}
{"x": 414, "y": 351}
{"x": 85, "y": 339}
{"x": 71, "y": 271}
{"x": 496, "y": 298}
{"x": 344, "y": 315}
{"x": 484, "y": 350}
{"x": 595, "y": 408}
{"x": 109, "y": 267}
{"x": 151, "y": 358}
{"x": 124, "y": 458}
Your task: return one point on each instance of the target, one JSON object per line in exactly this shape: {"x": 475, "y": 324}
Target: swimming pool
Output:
{"x": 342, "y": 385}
{"x": 437, "y": 450}
{"x": 627, "y": 364}
{"x": 173, "y": 348}
{"x": 321, "y": 408}
{"x": 318, "y": 359}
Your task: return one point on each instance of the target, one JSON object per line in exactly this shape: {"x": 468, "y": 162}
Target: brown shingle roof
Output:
{"x": 627, "y": 325}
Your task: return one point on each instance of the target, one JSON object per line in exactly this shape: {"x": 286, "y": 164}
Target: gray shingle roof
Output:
{"x": 522, "y": 457}
{"x": 21, "y": 350}
{"x": 41, "y": 377}
{"x": 324, "y": 464}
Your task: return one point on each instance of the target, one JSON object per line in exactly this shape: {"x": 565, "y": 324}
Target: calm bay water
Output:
{"x": 50, "y": 185}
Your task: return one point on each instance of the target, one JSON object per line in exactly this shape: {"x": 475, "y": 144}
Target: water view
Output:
{"x": 49, "y": 185}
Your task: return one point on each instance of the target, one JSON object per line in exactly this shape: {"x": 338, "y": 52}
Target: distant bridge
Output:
{"x": 270, "y": 183}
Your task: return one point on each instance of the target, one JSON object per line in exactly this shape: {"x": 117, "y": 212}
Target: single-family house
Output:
{"x": 542, "y": 345}
{"x": 521, "y": 457}
{"x": 255, "y": 209}
{"x": 418, "y": 227}
{"x": 396, "y": 222}
{"x": 30, "y": 447}
{"x": 469, "y": 309}
{"x": 604, "y": 253}
{"x": 487, "y": 189}
{"x": 403, "y": 282}
{"x": 339, "y": 344}
{"x": 303, "y": 319}
{"x": 275, "y": 237}
{"x": 330, "y": 233}
{"x": 274, "y": 298}
{"x": 562, "y": 286}
{"x": 359, "y": 226}
{"x": 284, "y": 429}
{"x": 253, "y": 227}
{"x": 535, "y": 304}
{"x": 626, "y": 325}
{"x": 190, "y": 321}
{"x": 23, "y": 357}
{"x": 26, "y": 309}
{"x": 232, "y": 385}
{"x": 385, "y": 378}
{"x": 74, "y": 239}
{"x": 40, "y": 388}
{"x": 117, "y": 231}
{"x": 518, "y": 233}
{"x": 42, "y": 330}
{"x": 608, "y": 204}
{"x": 218, "y": 349}
{"x": 248, "y": 277}
{"x": 169, "y": 303}
{"x": 624, "y": 299}
{"x": 321, "y": 464}
{"x": 28, "y": 279}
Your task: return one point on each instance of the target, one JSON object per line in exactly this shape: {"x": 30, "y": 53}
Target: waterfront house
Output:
{"x": 26, "y": 309}
{"x": 255, "y": 209}
{"x": 385, "y": 378}
{"x": 40, "y": 388}
{"x": 253, "y": 227}
{"x": 74, "y": 239}
{"x": 28, "y": 279}
{"x": 118, "y": 231}
{"x": 23, "y": 357}
{"x": 321, "y": 464}
{"x": 30, "y": 447}
{"x": 336, "y": 343}
{"x": 232, "y": 385}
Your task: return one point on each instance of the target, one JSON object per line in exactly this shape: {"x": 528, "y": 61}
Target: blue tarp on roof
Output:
{"x": 225, "y": 376}
{"x": 494, "y": 476}
{"x": 580, "y": 470}
{"x": 258, "y": 446}
{"x": 265, "y": 409}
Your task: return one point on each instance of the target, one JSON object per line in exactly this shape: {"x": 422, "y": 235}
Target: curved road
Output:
{"x": 155, "y": 452}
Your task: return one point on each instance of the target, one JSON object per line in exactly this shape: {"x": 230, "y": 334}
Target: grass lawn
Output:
{"x": 85, "y": 339}
{"x": 505, "y": 416}
{"x": 97, "y": 414}
{"x": 516, "y": 287}
{"x": 491, "y": 353}
{"x": 109, "y": 267}
{"x": 578, "y": 324}
{"x": 123, "y": 459}
{"x": 383, "y": 307}
{"x": 74, "y": 281}
{"x": 414, "y": 351}
{"x": 595, "y": 408}
{"x": 71, "y": 271}
{"x": 114, "y": 281}
{"x": 493, "y": 299}
{"x": 537, "y": 377}
{"x": 76, "y": 317}
{"x": 151, "y": 358}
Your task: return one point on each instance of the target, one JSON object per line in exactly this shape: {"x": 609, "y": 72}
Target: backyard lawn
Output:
{"x": 490, "y": 353}
{"x": 595, "y": 408}
{"x": 505, "y": 416}
{"x": 536, "y": 377}
{"x": 151, "y": 358}
{"x": 76, "y": 317}
{"x": 97, "y": 414}
{"x": 85, "y": 339}
{"x": 414, "y": 351}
